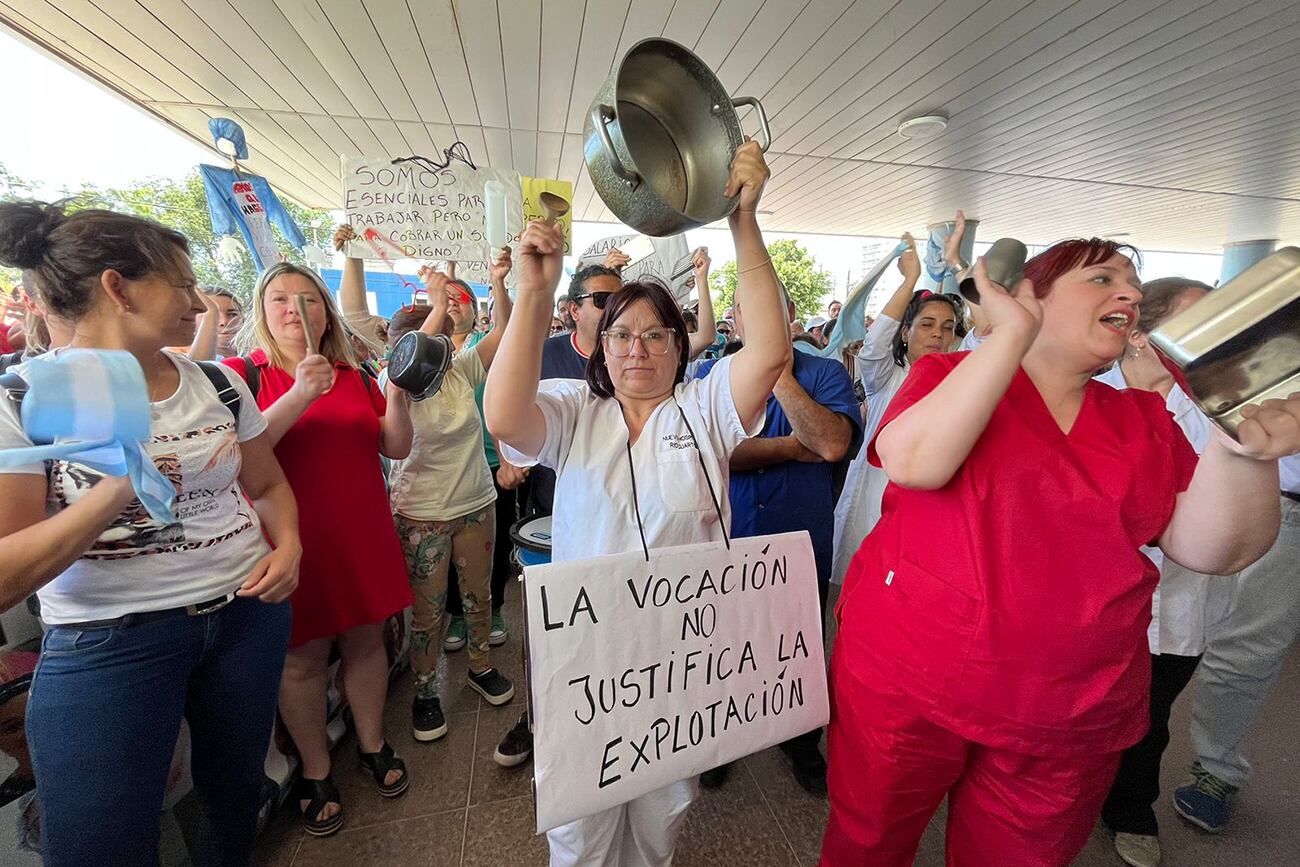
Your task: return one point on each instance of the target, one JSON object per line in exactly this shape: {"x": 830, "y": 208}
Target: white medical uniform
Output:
{"x": 858, "y": 508}
{"x": 587, "y": 445}
{"x": 1186, "y": 604}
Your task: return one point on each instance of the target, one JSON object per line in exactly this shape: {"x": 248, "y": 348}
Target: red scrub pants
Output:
{"x": 890, "y": 768}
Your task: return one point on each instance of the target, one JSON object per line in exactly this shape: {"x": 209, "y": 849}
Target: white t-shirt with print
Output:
{"x": 138, "y": 564}
{"x": 587, "y": 445}
{"x": 446, "y": 476}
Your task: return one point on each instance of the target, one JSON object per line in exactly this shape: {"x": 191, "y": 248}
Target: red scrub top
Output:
{"x": 352, "y": 571}
{"x": 1013, "y": 603}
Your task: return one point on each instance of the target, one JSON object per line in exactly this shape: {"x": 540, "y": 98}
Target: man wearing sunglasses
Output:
{"x": 565, "y": 356}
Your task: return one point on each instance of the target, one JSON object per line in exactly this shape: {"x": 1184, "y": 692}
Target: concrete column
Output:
{"x": 939, "y": 232}
{"x": 1240, "y": 255}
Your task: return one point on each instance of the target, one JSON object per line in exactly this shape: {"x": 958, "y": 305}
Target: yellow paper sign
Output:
{"x": 540, "y": 192}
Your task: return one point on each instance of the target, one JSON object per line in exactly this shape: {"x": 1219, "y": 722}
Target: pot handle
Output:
{"x": 600, "y": 116}
{"x": 762, "y": 118}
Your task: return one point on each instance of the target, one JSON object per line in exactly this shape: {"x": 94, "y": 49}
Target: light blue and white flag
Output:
{"x": 852, "y": 323}
{"x": 91, "y": 407}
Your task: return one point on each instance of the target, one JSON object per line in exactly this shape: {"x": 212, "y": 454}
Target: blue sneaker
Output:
{"x": 1207, "y": 802}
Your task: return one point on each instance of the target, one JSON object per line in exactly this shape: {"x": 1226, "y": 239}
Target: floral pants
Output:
{"x": 429, "y": 547}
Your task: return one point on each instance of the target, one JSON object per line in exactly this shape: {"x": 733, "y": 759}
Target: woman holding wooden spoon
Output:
{"x": 330, "y": 421}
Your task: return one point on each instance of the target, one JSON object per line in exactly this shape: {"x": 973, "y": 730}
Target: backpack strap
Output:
{"x": 226, "y": 392}
{"x": 252, "y": 375}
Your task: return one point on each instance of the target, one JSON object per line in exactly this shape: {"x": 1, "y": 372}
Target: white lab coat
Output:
{"x": 587, "y": 445}
{"x": 858, "y": 508}
{"x": 1186, "y": 604}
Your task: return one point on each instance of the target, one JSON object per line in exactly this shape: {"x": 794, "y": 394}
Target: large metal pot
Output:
{"x": 660, "y": 137}
{"x": 1240, "y": 345}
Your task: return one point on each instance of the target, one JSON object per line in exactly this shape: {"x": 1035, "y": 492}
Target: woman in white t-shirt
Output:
{"x": 641, "y": 458}
{"x": 147, "y": 624}
{"x": 443, "y": 501}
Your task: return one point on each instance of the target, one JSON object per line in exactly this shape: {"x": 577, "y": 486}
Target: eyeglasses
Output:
{"x": 556, "y": 329}
{"x": 724, "y": 329}
{"x": 656, "y": 341}
{"x": 598, "y": 299}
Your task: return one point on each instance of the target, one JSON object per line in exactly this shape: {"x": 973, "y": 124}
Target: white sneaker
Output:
{"x": 1138, "y": 850}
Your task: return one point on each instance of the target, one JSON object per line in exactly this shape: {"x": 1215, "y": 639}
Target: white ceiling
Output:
{"x": 1177, "y": 122}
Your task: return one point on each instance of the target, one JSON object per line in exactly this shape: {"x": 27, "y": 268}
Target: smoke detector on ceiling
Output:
{"x": 927, "y": 126}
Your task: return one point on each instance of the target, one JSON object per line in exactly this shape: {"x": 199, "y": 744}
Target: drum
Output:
{"x": 532, "y": 538}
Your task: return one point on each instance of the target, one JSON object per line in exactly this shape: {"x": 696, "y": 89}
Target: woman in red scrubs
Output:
{"x": 992, "y": 643}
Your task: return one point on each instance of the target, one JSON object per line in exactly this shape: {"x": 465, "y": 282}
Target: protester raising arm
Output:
{"x": 501, "y": 308}
{"x": 756, "y": 367}
{"x": 510, "y": 399}
{"x": 929, "y": 441}
{"x": 876, "y": 357}
{"x": 706, "y": 327}
{"x": 204, "y": 345}
{"x": 372, "y": 329}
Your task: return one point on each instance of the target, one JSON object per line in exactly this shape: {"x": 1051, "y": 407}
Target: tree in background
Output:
{"x": 804, "y": 281}
{"x": 181, "y": 205}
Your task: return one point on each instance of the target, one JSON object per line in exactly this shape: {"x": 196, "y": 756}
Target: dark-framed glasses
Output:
{"x": 598, "y": 299}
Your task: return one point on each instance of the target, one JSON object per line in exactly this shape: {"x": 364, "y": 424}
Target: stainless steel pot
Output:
{"x": 1240, "y": 345}
{"x": 660, "y": 137}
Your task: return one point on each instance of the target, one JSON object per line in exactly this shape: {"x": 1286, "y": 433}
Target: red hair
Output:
{"x": 1069, "y": 254}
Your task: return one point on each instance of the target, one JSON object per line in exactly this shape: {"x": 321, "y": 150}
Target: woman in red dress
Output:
{"x": 992, "y": 643}
{"x": 331, "y": 422}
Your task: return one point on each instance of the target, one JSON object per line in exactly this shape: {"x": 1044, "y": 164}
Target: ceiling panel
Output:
{"x": 1176, "y": 121}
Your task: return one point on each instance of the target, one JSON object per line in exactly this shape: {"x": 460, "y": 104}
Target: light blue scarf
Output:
{"x": 852, "y": 324}
{"x": 91, "y": 407}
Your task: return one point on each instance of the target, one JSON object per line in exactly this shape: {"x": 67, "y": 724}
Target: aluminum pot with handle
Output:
{"x": 660, "y": 137}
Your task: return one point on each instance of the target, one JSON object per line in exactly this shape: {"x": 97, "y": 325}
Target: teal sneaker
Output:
{"x": 499, "y": 634}
{"x": 457, "y": 635}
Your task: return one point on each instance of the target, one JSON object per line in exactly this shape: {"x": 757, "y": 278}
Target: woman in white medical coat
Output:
{"x": 910, "y": 326}
{"x": 641, "y": 458}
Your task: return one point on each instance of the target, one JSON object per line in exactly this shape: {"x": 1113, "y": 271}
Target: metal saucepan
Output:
{"x": 1240, "y": 345}
{"x": 419, "y": 363}
{"x": 660, "y": 137}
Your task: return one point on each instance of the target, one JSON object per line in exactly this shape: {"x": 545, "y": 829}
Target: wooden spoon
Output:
{"x": 555, "y": 206}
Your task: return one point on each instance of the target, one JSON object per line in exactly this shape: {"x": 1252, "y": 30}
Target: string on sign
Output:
{"x": 458, "y": 151}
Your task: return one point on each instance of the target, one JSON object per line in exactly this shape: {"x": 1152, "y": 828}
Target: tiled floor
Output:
{"x": 462, "y": 809}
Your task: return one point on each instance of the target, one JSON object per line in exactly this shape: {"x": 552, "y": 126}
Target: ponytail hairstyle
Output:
{"x": 914, "y": 308}
{"x": 64, "y": 255}
{"x": 335, "y": 344}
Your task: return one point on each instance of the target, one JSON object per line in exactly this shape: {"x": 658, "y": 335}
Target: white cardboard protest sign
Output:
{"x": 670, "y": 261}
{"x": 645, "y": 673}
{"x": 424, "y": 214}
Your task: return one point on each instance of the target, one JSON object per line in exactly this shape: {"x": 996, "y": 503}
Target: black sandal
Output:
{"x": 380, "y": 765}
{"x": 319, "y": 794}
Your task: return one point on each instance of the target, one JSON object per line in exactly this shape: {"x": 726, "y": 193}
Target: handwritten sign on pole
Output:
{"x": 670, "y": 262}
{"x": 645, "y": 673}
{"x": 430, "y": 214}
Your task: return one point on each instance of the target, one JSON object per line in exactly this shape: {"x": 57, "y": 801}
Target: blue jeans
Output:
{"x": 104, "y": 713}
